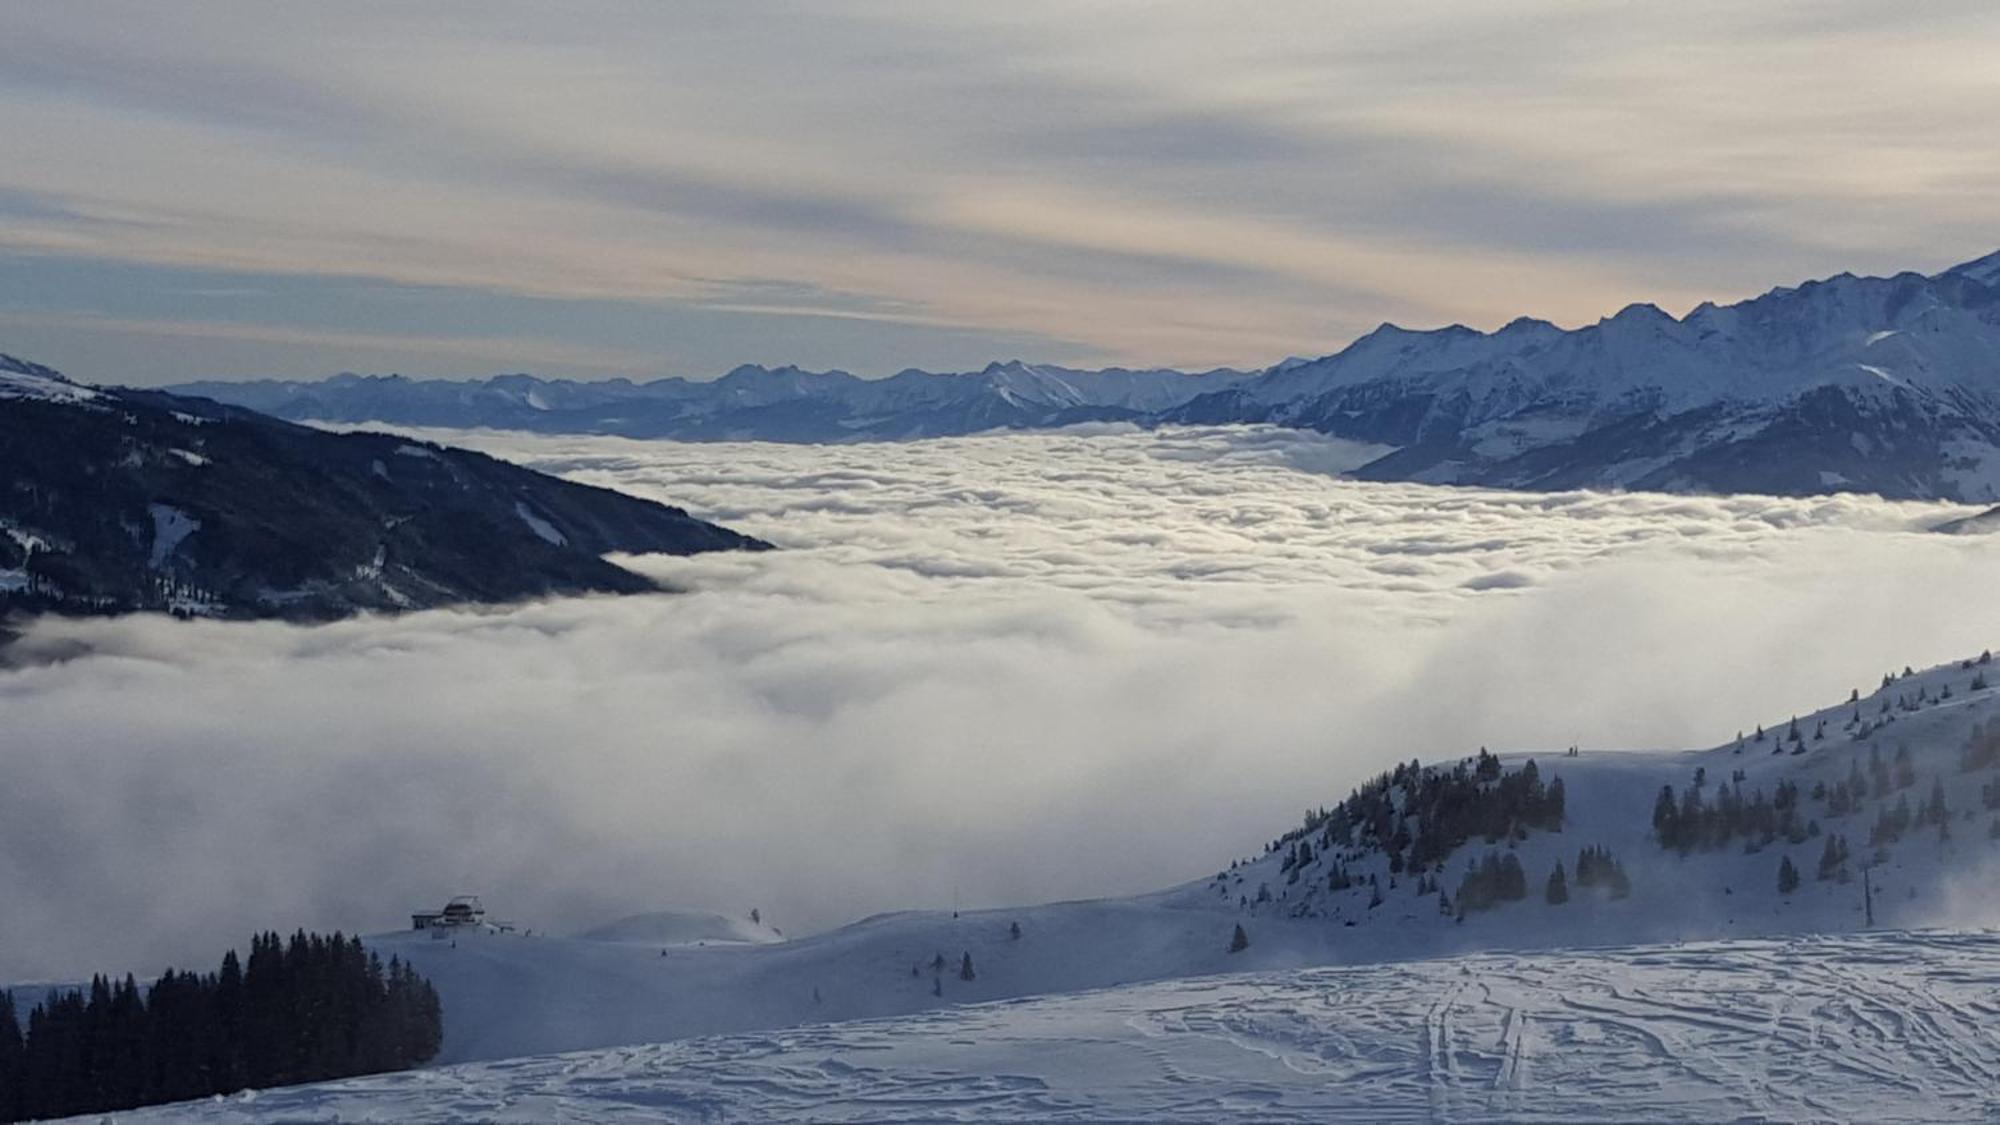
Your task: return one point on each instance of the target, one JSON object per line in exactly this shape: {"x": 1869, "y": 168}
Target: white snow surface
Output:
{"x": 666, "y": 928}
{"x": 541, "y": 527}
{"x": 171, "y": 527}
{"x": 1883, "y": 1027}
{"x": 16, "y": 384}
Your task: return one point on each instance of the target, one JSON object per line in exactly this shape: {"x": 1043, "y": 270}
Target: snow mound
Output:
{"x": 668, "y": 928}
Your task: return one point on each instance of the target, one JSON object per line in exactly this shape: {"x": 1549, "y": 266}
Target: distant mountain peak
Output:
{"x": 1640, "y": 312}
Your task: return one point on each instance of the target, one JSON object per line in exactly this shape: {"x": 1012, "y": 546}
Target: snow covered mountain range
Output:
{"x": 126, "y": 499}
{"x": 1888, "y": 385}
{"x": 749, "y": 403}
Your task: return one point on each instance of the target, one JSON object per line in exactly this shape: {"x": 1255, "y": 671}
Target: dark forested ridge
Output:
{"x": 300, "y": 1010}
{"x": 117, "y": 500}
{"x": 1403, "y": 828}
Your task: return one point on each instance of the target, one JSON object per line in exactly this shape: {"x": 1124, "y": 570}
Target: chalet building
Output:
{"x": 461, "y": 911}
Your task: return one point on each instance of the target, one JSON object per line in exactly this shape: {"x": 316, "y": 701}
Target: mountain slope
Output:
{"x": 121, "y": 500}
{"x": 749, "y": 403}
{"x": 1840, "y": 1024}
{"x": 1886, "y": 1027}
{"x": 509, "y": 994}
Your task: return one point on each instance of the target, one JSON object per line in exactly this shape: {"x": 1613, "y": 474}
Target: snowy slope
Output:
{"x": 666, "y": 928}
{"x": 1887, "y": 1027}
{"x": 20, "y": 379}
{"x": 512, "y": 994}
{"x": 1348, "y": 1009}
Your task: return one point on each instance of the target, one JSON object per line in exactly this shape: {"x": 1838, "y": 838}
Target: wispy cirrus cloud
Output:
{"x": 1157, "y": 183}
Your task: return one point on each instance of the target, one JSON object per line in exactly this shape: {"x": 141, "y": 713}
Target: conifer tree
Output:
{"x": 1558, "y": 889}
{"x": 965, "y": 967}
{"x": 1666, "y": 818}
{"x": 325, "y": 1002}
{"x": 1788, "y": 876}
{"x": 11, "y": 1055}
{"x": 1239, "y": 941}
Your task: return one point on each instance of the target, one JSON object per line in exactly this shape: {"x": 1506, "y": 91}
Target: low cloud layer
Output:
{"x": 985, "y": 670}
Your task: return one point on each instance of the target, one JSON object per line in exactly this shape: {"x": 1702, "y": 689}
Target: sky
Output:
{"x": 234, "y": 190}
{"x": 994, "y": 670}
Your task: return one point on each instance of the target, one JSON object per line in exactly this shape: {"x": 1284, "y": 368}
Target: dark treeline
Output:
{"x": 302, "y": 1010}
{"x": 1695, "y": 823}
{"x": 1597, "y": 871}
{"x": 1418, "y": 817}
{"x": 1493, "y": 880}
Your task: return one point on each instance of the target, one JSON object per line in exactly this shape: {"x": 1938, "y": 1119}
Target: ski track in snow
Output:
{"x": 1882, "y": 1027}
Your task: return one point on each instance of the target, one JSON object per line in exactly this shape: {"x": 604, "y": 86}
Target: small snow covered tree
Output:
{"x": 1558, "y": 890}
{"x": 965, "y": 967}
{"x": 1788, "y": 876}
{"x": 1014, "y": 931}
{"x": 1239, "y": 941}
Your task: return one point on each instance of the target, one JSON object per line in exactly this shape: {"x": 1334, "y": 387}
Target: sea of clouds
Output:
{"x": 983, "y": 670}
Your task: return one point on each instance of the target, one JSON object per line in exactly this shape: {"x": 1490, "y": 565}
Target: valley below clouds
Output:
{"x": 979, "y": 671}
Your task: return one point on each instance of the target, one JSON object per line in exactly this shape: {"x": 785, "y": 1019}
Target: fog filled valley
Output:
{"x": 973, "y": 564}
{"x": 1008, "y": 718}
{"x": 981, "y": 671}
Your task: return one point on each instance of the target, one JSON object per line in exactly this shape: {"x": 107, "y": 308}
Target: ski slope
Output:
{"x": 1884, "y": 1027}
{"x": 511, "y": 994}
{"x": 1705, "y": 993}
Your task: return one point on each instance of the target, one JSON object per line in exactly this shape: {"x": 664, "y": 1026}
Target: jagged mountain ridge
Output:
{"x": 121, "y": 500}
{"x": 748, "y": 403}
{"x": 1888, "y": 385}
